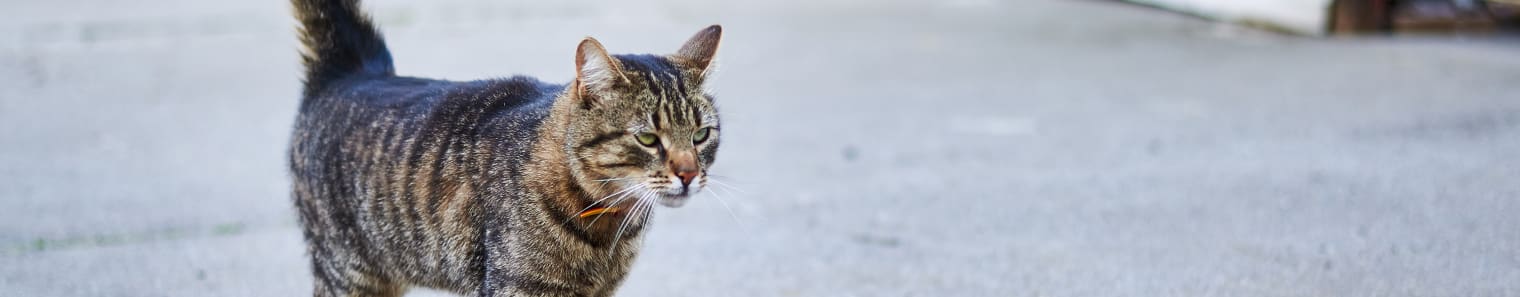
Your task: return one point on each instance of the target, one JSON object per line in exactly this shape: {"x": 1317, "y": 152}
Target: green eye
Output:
{"x": 700, "y": 136}
{"x": 647, "y": 139}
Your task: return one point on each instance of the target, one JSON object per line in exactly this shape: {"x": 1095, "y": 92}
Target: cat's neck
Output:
{"x": 549, "y": 176}
{"x": 548, "y": 167}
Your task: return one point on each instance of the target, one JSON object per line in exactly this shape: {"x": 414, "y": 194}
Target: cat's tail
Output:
{"x": 340, "y": 41}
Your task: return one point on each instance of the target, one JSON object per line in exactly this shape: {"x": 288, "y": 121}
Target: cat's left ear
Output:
{"x": 699, "y": 50}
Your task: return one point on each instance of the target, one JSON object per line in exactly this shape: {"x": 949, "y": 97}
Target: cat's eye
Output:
{"x": 647, "y": 139}
{"x": 700, "y": 136}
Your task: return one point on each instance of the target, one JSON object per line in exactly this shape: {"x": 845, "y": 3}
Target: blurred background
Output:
{"x": 876, "y": 148}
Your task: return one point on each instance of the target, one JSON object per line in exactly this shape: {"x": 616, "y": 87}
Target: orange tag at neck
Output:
{"x": 597, "y": 211}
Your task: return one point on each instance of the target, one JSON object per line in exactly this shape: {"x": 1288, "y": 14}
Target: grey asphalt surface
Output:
{"x": 883, "y": 148}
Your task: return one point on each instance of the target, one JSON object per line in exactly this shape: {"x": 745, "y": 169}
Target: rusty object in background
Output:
{"x": 1359, "y": 16}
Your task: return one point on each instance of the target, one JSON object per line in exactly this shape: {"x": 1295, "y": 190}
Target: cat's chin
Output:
{"x": 673, "y": 201}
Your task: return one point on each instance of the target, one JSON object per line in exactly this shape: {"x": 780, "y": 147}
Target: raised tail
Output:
{"x": 340, "y": 41}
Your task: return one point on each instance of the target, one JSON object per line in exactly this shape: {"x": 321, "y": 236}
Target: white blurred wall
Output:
{"x": 1302, "y": 16}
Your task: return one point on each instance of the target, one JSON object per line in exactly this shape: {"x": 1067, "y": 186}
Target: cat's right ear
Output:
{"x": 596, "y": 72}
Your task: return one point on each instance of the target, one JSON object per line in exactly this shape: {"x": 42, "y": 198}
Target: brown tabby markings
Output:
{"x": 474, "y": 187}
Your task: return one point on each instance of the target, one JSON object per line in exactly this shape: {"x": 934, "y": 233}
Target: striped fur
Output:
{"x": 474, "y": 187}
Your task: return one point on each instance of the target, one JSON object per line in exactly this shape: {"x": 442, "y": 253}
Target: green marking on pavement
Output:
{"x": 38, "y": 245}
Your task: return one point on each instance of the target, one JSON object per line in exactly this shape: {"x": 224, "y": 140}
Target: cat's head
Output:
{"x": 643, "y": 129}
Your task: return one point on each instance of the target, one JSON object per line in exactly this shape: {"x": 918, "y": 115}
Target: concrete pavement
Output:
{"x": 885, "y": 148}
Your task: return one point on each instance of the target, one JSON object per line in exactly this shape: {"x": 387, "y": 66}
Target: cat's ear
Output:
{"x": 699, "y": 50}
{"x": 596, "y": 72}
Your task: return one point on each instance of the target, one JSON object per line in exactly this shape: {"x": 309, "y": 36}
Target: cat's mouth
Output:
{"x": 676, "y": 196}
{"x": 673, "y": 200}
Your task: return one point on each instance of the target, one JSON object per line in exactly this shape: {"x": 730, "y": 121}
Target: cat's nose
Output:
{"x": 685, "y": 166}
{"x": 686, "y": 176}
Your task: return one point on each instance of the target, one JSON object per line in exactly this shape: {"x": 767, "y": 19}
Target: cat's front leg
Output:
{"x": 506, "y": 285}
{"x": 504, "y": 277}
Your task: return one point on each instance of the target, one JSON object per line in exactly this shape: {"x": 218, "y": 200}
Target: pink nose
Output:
{"x": 686, "y": 176}
{"x": 684, "y": 163}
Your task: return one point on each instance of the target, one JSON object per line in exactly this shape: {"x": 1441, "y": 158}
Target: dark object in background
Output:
{"x": 1423, "y": 16}
{"x": 1358, "y": 16}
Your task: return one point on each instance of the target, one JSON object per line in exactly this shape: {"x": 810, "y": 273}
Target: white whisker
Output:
{"x": 626, "y": 192}
{"x": 593, "y": 203}
{"x": 726, "y": 185}
{"x": 729, "y": 190}
{"x": 725, "y": 206}
{"x": 637, "y": 204}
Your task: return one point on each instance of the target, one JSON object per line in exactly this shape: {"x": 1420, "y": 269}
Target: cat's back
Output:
{"x": 412, "y": 96}
{"x": 404, "y": 106}
{"x": 367, "y": 126}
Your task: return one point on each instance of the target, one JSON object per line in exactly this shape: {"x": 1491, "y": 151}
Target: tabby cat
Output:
{"x": 496, "y": 187}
